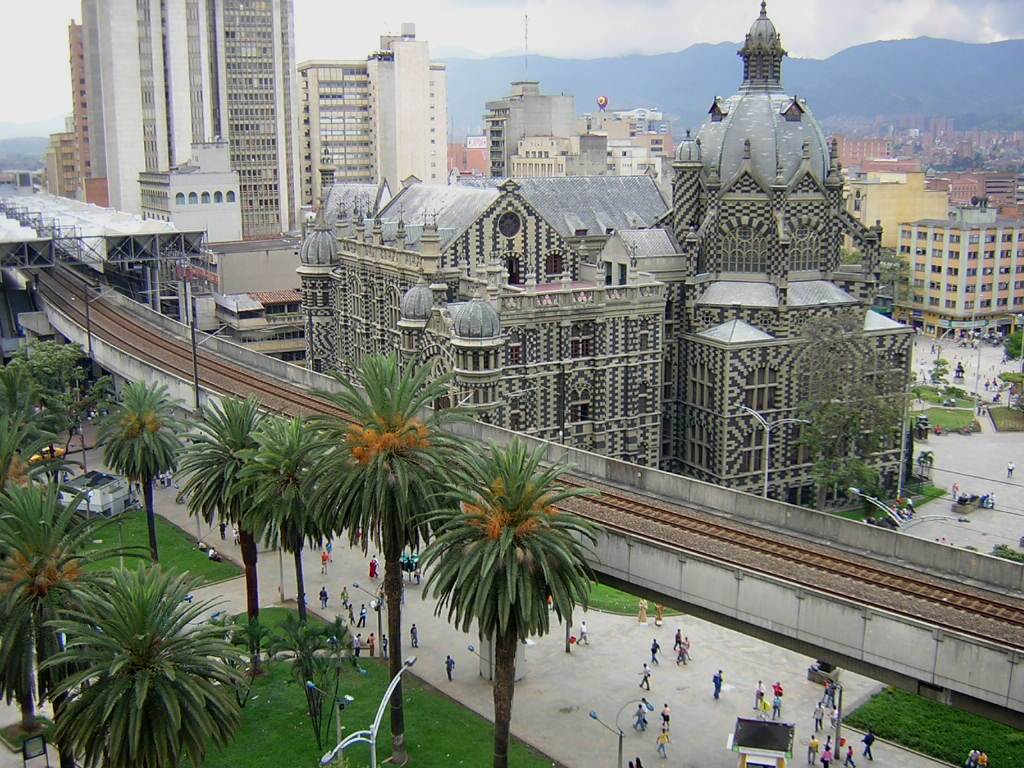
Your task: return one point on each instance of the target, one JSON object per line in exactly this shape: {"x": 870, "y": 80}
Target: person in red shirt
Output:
{"x": 777, "y": 689}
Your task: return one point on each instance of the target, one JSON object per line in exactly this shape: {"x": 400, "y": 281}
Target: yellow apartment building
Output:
{"x": 893, "y": 198}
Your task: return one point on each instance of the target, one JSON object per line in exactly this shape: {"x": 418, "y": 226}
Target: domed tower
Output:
{"x": 762, "y": 54}
{"x": 317, "y": 256}
{"x": 476, "y": 338}
{"x": 686, "y": 186}
{"x": 414, "y": 313}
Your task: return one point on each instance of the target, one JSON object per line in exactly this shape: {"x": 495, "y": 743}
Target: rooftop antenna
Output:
{"x": 526, "y": 45}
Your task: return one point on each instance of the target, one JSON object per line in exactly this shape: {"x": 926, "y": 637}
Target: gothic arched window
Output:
{"x": 744, "y": 250}
{"x": 803, "y": 249}
{"x": 554, "y": 265}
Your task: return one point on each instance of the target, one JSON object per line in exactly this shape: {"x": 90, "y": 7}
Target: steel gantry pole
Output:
{"x": 768, "y": 426}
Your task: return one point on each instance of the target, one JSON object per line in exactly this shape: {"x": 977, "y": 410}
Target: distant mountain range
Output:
{"x": 23, "y": 154}
{"x": 978, "y": 84}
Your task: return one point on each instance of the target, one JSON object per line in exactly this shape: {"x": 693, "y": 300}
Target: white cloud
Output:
{"x": 36, "y": 32}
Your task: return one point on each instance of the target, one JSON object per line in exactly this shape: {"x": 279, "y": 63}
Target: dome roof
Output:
{"x": 688, "y": 150}
{"x": 476, "y": 319}
{"x": 766, "y": 119}
{"x": 762, "y": 31}
{"x": 418, "y": 302}
{"x": 318, "y": 249}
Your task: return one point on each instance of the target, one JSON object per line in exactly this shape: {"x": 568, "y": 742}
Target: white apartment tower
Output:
{"x": 162, "y": 76}
{"x": 384, "y": 118}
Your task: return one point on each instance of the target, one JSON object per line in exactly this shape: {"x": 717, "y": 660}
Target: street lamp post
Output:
{"x": 376, "y": 604}
{"x": 877, "y": 503}
{"x": 370, "y": 736}
{"x": 768, "y": 426}
{"x": 340, "y": 703}
{"x": 617, "y": 731}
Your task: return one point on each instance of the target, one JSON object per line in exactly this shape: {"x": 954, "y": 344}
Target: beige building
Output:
{"x": 62, "y": 169}
{"x": 967, "y": 271}
{"x": 382, "y": 118}
{"x": 270, "y": 322}
{"x": 539, "y": 156}
{"x": 893, "y": 198}
{"x": 525, "y": 112}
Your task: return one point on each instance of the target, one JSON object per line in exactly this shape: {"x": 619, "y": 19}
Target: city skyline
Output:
{"x": 817, "y": 29}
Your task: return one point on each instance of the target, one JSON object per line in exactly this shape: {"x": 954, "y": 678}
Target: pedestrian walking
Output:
{"x": 655, "y": 647}
{"x": 640, "y": 717}
{"x": 330, "y": 550}
{"x": 812, "y": 750}
{"x": 777, "y": 689}
{"x": 323, "y": 597}
{"x": 716, "y": 680}
{"x": 1010, "y": 466}
{"x": 956, "y": 491}
{"x": 663, "y": 742}
{"x": 826, "y": 756}
{"x": 449, "y": 667}
{"x": 344, "y": 597}
{"x": 678, "y": 640}
{"x": 235, "y": 534}
{"x": 758, "y": 695}
{"x": 848, "y": 762}
{"x": 362, "y": 615}
{"x": 351, "y": 616}
{"x": 584, "y": 634}
{"x": 833, "y": 718}
{"x": 869, "y": 739}
{"x": 414, "y": 635}
{"x": 223, "y": 531}
{"x": 373, "y": 567}
{"x": 819, "y": 715}
{"x": 645, "y": 677}
{"x": 666, "y": 716}
{"x": 384, "y": 646}
{"x": 357, "y": 644}
{"x": 776, "y": 707}
{"x": 766, "y": 709}
{"x": 371, "y": 643}
{"x": 324, "y": 558}
{"x": 638, "y": 763}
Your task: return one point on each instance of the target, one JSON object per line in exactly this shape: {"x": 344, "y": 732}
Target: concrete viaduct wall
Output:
{"x": 884, "y": 645}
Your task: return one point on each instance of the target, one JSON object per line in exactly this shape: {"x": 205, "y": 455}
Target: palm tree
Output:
{"x": 211, "y": 466}
{"x": 502, "y": 554}
{"x": 141, "y": 438}
{"x": 19, "y": 441}
{"x": 19, "y": 393}
{"x": 378, "y": 473}
{"x": 151, "y": 684}
{"x": 273, "y": 476}
{"x": 47, "y": 548}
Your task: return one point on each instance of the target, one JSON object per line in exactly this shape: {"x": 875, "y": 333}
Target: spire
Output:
{"x": 762, "y": 54}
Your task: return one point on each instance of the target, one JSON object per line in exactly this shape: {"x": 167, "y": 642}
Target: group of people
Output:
{"x": 976, "y": 758}
{"x": 640, "y": 724}
{"x": 766, "y": 706}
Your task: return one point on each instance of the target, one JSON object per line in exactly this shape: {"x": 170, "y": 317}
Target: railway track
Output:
{"x": 889, "y": 587}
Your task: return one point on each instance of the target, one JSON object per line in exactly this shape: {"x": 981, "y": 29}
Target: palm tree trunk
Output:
{"x": 393, "y": 593}
{"x": 28, "y": 713}
{"x": 300, "y": 584}
{"x": 67, "y": 756}
{"x": 252, "y": 590}
{"x": 147, "y": 493}
{"x": 504, "y": 688}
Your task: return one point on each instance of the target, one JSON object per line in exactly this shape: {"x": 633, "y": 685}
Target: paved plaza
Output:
{"x": 976, "y": 463}
{"x": 553, "y": 701}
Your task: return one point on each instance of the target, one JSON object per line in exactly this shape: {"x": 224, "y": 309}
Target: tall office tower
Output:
{"x": 79, "y": 109}
{"x": 383, "y": 118}
{"x": 161, "y": 76}
{"x": 256, "y": 108}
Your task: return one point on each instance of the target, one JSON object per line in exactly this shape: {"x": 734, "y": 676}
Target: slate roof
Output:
{"x": 595, "y": 203}
{"x": 874, "y": 321}
{"x": 456, "y": 207}
{"x": 810, "y": 292}
{"x": 729, "y": 292}
{"x": 648, "y": 242}
{"x": 370, "y": 197}
{"x": 735, "y": 332}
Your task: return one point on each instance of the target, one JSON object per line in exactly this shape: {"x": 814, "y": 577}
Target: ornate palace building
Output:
{"x": 589, "y": 310}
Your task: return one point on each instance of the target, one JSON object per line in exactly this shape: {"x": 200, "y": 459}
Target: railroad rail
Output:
{"x": 876, "y": 583}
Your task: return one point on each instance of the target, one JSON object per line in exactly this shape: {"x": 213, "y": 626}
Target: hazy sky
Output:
{"x": 34, "y": 57}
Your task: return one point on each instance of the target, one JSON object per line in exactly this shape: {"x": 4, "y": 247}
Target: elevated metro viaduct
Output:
{"x": 942, "y": 621}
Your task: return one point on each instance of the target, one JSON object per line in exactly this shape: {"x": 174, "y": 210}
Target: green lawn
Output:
{"x": 950, "y": 418}
{"x": 928, "y": 493}
{"x": 937, "y": 730}
{"x": 177, "y": 548}
{"x": 440, "y": 733}
{"x": 937, "y": 395}
{"x": 1007, "y": 419}
{"x": 611, "y": 600}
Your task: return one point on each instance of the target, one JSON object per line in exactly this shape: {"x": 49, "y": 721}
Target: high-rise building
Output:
{"x": 160, "y": 77}
{"x": 890, "y": 199}
{"x": 383, "y": 118}
{"x": 525, "y": 112}
{"x": 62, "y": 165}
